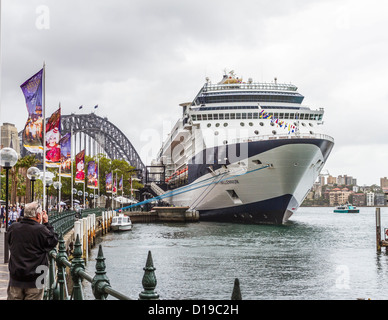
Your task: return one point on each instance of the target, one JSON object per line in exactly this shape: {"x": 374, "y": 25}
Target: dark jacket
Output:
{"x": 29, "y": 243}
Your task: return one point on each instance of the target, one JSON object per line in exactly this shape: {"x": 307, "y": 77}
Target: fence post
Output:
{"x": 77, "y": 264}
{"x": 61, "y": 279}
{"x": 149, "y": 281}
{"x": 100, "y": 280}
{"x": 236, "y": 294}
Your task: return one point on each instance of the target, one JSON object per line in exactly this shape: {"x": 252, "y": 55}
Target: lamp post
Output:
{"x": 33, "y": 173}
{"x": 48, "y": 183}
{"x": 80, "y": 193}
{"x": 91, "y": 196}
{"x": 8, "y": 158}
{"x": 57, "y": 185}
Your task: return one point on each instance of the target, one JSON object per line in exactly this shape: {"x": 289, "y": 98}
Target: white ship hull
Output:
{"x": 245, "y": 191}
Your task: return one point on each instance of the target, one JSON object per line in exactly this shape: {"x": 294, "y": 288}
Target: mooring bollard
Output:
{"x": 236, "y": 294}
{"x": 378, "y": 229}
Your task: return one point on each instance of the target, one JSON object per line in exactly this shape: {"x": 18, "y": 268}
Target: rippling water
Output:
{"x": 317, "y": 255}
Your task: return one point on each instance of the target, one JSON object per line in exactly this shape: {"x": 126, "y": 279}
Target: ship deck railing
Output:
{"x": 283, "y": 136}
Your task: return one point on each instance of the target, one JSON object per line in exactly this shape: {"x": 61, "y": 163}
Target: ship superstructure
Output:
{"x": 244, "y": 152}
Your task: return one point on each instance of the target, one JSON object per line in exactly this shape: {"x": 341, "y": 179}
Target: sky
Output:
{"x": 139, "y": 59}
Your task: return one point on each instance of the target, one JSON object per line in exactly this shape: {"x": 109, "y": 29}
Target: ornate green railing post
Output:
{"x": 48, "y": 292}
{"x": 100, "y": 280}
{"x": 61, "y": 267}
{"x": 77, "y": 264}
{"x": 149, "y": 281}
{"x": 236, "y": 294}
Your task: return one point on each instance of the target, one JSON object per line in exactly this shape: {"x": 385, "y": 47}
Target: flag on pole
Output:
{"x": 92, "y": 175}
{"x": 80, "y": 166}
{"x": 108, "y": 182}
{"x": 121, "y": 184}
{"x": 53, "y": 136}
{"x": 66, "y": 155}
{"x": 33, "y": 130}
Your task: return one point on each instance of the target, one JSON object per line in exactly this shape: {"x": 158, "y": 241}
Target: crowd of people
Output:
{"x": 15, "y": 213}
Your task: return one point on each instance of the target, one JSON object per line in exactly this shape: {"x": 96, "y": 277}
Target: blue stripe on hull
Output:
{"x": 269, "y": 211}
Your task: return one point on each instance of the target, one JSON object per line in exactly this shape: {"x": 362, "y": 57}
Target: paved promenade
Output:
{"x": 3, "y": 269}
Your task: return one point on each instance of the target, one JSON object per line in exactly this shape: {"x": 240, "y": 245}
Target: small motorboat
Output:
{"x": 347, "y": 208}
{"x": 121, "y": 223}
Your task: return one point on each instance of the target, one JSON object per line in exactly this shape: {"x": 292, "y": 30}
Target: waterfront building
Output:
{"x": 358, "y": 199}
{"x": 9, "y": 137}
{"x": 339, "y": 196}
{"x": 331, "y": 180}
{"x": 370, "y": 199}
{"x": 384, "y": 184}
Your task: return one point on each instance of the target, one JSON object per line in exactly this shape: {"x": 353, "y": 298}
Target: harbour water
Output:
{"x": 317, "y": 255}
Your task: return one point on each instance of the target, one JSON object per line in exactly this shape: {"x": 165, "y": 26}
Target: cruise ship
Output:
{"x": 243, "y": 152}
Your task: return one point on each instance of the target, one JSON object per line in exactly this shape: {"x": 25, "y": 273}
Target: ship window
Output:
{"x": 204, "y": 117}
{"x": 244, "y": 116}
{"x": 311, "y": 132}
{"x": 221, "y": 116}
{"x": 209, "y": 125}
{"x": 320, "y": 117}
{"x": 238, "y": 115}
{"x": 273, "y": 131}
{"x": 272, "y": 124}
{"x": 292, "y": 115}
{"x": 251, "y": 124}
{"x": 216, "y": 133}
{"x": 194, "y": 117}
{"x": 301, "y": 116}
{"x": 210, "y": 117}
{"x": 250, "y": 116}
{"x": 226, "y": 116}
{"x": 311, "y": 117}
{"x": 232, "y": 116}
{"x": 310, "y": 124}
{"x": 286, "y": 116}
{"x": 242, "y": 124}
{"x": 225, "y": 124}
{"x": 199, "y": 117}
{"x": 256, "y": 131}
{"x": 262, "y": 123}
{"x": 303, "y": 124}
{"x": 276, "y": 115}
{"x": 215, "y": 116}
{"x": 281, "y": 115}
{"x": 255, "y": 115}
{"x": 217, "y": 125}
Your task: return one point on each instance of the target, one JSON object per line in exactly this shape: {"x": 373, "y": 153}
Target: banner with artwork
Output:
{"x": 108, "y": 182}
{"x": 53, "y": 135}
{"x": 65, "y": 143}
{"x": 92, "y": 175}
{"x": 33, "y": 130}
{"x": 80, "y": 167}
{"x": 121, "y": 184}
{"x": 115, "y": 185}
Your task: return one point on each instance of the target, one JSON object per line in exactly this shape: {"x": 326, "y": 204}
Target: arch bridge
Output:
{"x": 97, "y": 135}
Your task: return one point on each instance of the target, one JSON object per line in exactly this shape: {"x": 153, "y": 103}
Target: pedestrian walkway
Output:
{"x": 3, "y": 268}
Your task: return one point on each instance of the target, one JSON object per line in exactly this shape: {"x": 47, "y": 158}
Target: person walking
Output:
{"x": 29, "y": 242}
{"x": 13, "y": 215}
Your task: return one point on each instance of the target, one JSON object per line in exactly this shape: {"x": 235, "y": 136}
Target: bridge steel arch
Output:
{"x": 114, "y": 143}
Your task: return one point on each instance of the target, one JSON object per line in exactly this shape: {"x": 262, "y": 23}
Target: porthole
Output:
{"x": 262, "y": 123}
{"x": 217, "y": 125}
{"x": 311, "y": 132}
{"x": 273, "y": 131}
{"x": 242, "y": 124}
{"x": 209, "y": 125}
{"x": 256, "y": 132}
{"x": 251, "y": 124}
{"x": 225, "y": 124}
{"x": 272, "y": 124}
{"x": 216, "y": 133}
{"x": 310, "y": 124}
{"x": 303, "y": 124}
{"x": 225, "y": 142}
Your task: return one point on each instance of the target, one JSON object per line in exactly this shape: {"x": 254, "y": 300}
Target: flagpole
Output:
{"x": 71, "y": 161}
{"x": 122, "y": 190}
{"x": 44, "y": 135}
